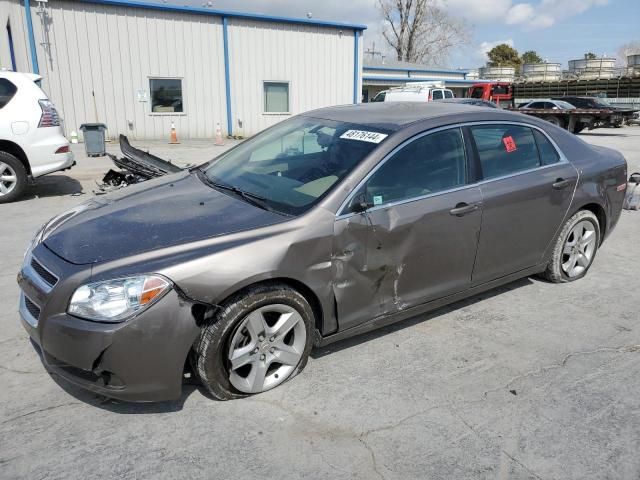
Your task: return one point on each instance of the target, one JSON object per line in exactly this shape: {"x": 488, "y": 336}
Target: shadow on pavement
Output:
{"x": 51, "y": 186}
{"x": 122, "y": 407}
{"x": 365, "y": 337}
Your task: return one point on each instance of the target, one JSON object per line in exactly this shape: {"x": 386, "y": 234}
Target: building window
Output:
{"x": 166, "y": 95}
{"x": 276, "y": 97}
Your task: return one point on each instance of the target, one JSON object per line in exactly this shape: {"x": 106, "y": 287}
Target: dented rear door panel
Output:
{"x": 397, "y": 257}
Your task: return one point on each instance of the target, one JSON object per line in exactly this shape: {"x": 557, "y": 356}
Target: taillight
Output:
{"x": 429, "y": 98}
{"x": 64, "y": 149}
{"x": 49, "y": 116}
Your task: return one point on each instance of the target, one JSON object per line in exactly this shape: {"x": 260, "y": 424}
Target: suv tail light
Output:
{"x": 49, "y": 116}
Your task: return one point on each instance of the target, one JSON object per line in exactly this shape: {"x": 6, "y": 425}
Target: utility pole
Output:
{"x": 372, "y": 51}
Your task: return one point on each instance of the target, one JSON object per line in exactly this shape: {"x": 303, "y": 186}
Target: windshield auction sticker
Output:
{"x": 363, "y": 136}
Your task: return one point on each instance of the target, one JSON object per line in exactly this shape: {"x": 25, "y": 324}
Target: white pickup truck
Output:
{"x": 32, "y": 142}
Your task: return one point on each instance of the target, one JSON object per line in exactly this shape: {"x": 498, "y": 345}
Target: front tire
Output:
{"x": 575, "y": 248}
{"x": 13, "y": 178}
{"x": 259, "y": 339}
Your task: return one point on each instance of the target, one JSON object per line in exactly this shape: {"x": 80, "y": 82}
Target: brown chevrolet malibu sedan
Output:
{"x": 324, "y": 226}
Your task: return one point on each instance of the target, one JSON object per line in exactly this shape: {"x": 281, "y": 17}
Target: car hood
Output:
{"x": 168, "y": 211}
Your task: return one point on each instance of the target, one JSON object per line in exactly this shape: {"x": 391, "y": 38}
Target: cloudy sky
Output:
{"x": 559, "y": 30}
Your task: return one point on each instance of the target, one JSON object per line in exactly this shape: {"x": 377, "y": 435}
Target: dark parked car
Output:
{"x": 329, "y": 224}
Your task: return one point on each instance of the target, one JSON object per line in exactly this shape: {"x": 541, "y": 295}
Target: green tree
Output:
{"x": 531, "y": 56}
{"x": 503, "y": 55}
{"x": 590, "y": 56}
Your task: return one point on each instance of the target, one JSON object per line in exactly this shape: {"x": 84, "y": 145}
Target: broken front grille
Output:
{"x": 33, "y": 309}
{"x": 45, "y": 274}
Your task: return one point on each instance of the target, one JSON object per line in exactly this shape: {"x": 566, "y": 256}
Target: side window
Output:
{"x": 276, "y": 97}
{"x": 505, "y": 149}
{"x": 7, "y": 91}
{"x": 166, "y": 95}
{"x": 548, "y": 154}
{"x": 431, "y": 163}
{"x": 448, "y": 94}
{"x": 437, "y": 95}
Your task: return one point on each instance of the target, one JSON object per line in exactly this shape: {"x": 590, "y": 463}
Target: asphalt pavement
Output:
{"x": 531, "y": 380}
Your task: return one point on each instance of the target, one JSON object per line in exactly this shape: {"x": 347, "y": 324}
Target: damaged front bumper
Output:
{"x": 141, "y": 359}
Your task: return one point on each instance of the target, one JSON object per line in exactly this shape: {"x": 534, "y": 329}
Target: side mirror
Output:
{"x": 359, "y": 204}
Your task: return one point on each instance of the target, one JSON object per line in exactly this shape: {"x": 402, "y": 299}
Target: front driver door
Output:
{"x": 417, "y": 240}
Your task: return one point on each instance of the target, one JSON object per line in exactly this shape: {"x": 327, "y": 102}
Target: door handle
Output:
{"x": 560, "y": 183}
{"x": 464, "y": 208}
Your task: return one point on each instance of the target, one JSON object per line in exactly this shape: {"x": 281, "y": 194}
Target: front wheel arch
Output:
{"x": 309, "y": 295}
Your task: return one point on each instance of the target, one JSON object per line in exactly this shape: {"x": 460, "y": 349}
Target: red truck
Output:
{"x": 501, "y": 93}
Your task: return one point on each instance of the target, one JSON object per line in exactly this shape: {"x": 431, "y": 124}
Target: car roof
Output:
{"x": 34, "y": 77}
{"x": 397, "y": 115}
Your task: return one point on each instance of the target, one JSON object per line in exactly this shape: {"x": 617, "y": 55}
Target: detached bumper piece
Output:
{"x": 136, "y": 166}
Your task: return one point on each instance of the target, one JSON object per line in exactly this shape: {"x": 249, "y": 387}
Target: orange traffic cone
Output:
{"x": 173, "y": 137}
{"x": 219, "y": 140}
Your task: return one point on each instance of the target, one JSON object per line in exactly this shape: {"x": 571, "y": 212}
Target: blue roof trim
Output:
{"x": 226, "y": 13}
{"x": 419, "y": 70}
{"x": 32, "y": 38}
{"x": 410, "y": 79}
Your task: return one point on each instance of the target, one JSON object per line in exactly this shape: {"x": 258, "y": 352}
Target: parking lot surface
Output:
{"x": 532, "y": 380}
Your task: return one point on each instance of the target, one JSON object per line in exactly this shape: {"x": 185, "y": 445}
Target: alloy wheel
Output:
{"x": 579, "y": 248}
{"x": 8, "y": 179}
{"x": 266, "y": 348}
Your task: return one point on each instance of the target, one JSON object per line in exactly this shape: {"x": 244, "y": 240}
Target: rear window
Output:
{"x": 505, "y": 149}
{"x": 476, "y": 92}
{"x": 548, "y": 154}
{"x": 7, "y": 91}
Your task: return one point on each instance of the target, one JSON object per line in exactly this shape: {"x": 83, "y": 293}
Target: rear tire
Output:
{"x": 245, "y": 333}
{"x": 578, "y": 128}
{"x": 575, "y": 249}
{"x": 13, "y": 178}
{"x": 558, "y": 122}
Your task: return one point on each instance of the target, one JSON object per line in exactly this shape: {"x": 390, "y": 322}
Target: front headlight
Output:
{"x": 116, "y": 300}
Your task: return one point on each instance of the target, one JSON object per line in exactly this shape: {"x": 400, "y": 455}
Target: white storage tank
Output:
{"x": 472, "y": 74}
{"x": 633, "y": 65}
{"x": 500, "y": 74}
{"x": 541, "y": 72}
{"x": 593, "y": 68}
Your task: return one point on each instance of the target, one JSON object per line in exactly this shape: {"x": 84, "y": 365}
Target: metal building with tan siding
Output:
{"x": 138, "y": 67}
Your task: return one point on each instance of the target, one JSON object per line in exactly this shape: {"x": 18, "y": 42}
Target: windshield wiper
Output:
{"x": 252, "y": 198}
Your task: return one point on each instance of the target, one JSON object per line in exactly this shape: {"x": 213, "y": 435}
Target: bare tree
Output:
{"x": 631, "y": 48}
{"x": 421, "y": 31}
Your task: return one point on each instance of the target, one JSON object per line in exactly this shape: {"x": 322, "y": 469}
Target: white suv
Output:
{"x": 32, "y": 142}
{"x": 418, "y": 92}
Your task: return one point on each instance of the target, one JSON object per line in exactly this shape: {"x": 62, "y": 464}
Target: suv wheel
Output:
{"x": 13, "y": 177}
{"x": 259, "y": 340}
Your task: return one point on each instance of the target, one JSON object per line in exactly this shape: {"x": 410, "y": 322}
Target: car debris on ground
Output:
{"x": 134, "y": 167}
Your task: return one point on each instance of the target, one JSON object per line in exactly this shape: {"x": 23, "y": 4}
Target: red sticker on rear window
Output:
{"x": 509, "y": 144}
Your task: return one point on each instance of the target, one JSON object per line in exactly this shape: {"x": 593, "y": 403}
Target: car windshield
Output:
{"x": 291, "y": 166}
{"x": 564, "y": 105}
{"x": 601, "y": 102}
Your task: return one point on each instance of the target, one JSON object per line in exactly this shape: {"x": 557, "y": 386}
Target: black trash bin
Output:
{"x": 94, "y": 137}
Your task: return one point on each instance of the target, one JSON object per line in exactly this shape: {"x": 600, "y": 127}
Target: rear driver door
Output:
{"x": 527, "y": 187}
